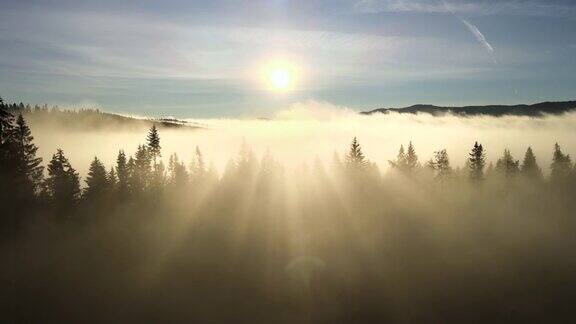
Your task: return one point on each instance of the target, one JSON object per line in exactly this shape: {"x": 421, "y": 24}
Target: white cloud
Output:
{"x": 509, "y": 7}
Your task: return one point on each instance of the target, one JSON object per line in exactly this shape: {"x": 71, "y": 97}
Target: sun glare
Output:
{"x": 280, "y": 77}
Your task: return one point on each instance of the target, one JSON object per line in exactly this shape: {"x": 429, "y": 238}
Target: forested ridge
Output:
{"x": 156, "y": 239}
{"x": 91, "y": 118}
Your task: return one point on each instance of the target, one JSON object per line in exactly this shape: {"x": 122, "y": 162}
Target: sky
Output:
{"x": 207, "y": 59}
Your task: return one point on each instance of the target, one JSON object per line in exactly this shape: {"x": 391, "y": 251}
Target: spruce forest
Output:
{"x": 153, "y": 238}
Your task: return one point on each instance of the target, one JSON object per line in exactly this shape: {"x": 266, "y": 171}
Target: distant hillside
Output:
{"x": 89, "y": 119}
{"x": 535, "y": 110}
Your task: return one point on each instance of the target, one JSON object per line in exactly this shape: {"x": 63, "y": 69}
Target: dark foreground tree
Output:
{"x": 96, "y": 181}
{"x": 561, "y": 166}
{"x": 62, "y": 186}
{"x": 507, "y": 166}
{"x": 153, "y": 143}
{"x": 530, "y": 168}
{"x": 29, "y": 171}
{"x": 476, "y": 162}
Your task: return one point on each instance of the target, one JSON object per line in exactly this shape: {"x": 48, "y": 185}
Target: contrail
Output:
{"x": 479, "y": 36}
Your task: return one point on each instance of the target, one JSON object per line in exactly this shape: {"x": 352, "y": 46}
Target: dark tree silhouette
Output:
{"x": 63, "y": 184}
{"x": 529, "y": 167}
{"x": 122, "y": 174}
{"x": 112, "y": 179}
{"x": 441, "y": 164}
{"x": 507, "y": 166}
{"x": 29, "y": 171}
{"x": 177, "y": 171}
{"x": 141, "y": 171}
{"x": 476, "y": 162}
{"x": 153, "y": 143}
{"x": 96, "y": 180}
{"x": 561, "y": 165}
{"x": 355, "y": 159}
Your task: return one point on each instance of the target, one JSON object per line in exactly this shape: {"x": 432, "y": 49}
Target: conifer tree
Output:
{"x": 178, "y": 174}
{"x": 529, "y": 166}
{"x": 476, "y": 162}
{"x": 29, "y": 171}
{"x": 153, "y": 143}
{"x": 197, "y": 166}
{"x": 355, "y": 158}
{"x": 112, "y": 179}
{"x": 400, "y": 164}
{"x": 441, "y": 164}
{"x": 63, "y": 184}
{"x": 7, "y": 145}
{"x": 506, "y": 165}
{"x": 411, "y": 157}
{"x": 96, "y": 180}
{"x": 141, "y": 173}
{"x": 122, "y": 173}
{"x": 561, "y": 165}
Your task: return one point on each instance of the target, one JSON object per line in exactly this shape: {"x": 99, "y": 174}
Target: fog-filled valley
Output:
{"x": 317, "y": 215}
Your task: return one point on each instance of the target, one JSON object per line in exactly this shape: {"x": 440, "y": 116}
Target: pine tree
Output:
{"x": 29, "y": 171}
{"x": 63, "y": 183}
{"x": 96, "y": 180}
{"x": 153, "y": 143}
{"x": 197, "y": 166}
{"x": 8, "y": 160}
{"x": 561, "y": 165}
{"x": 141, "y": 173}
{"x": 507, "y": 166}
{"x": 355, "y": 158}
{"x": 122, "y": 174}
{"x": 112, "y": 179}
{"x": 529, "y": 166}
{"x": 476, "y": 162}
{"x": 400, "y": 164}
{"x": 178, "y": 174}
{"x": 411, "y": 158}
{"x": 441, "y": 164}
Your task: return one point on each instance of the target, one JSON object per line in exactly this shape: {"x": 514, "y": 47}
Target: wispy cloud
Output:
{"x": 479, "y": 36}
{"x": 508, "y": 7}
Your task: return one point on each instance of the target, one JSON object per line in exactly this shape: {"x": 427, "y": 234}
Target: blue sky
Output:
{"x": 203, "y": 58}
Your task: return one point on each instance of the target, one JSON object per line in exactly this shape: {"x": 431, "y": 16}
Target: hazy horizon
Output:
{"x": 198, "y": 59}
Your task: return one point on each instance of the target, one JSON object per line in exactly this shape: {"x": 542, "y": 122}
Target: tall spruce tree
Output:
{"x": 153, "y": 143}
{"x": 561, "y": 165}
{"x": 63, "y": 183}
{"x": 355, "y": 159}
{"x": 476, "y": 162}
{"x": 507, "y": 166}
{"x": 400, "y": 164}
{"x": 411, "y": 157}
{"x": 141, "y": 170}
{"x": 177, "y": 170}
{"x": 29, "y": 171}
{"x": 197, "y": 166}
{"x": 441, "y": 164}
{"x": 122, "y": 174}
{"x": 7, "y": 146}
{"x": 96, "y": 180}
{"x": 529, "y": 167}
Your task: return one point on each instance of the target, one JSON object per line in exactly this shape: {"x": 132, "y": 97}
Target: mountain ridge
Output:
{"x": 532, "y": 110}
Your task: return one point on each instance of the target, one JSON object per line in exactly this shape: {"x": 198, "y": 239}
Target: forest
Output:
{"x": 153, "y": 238}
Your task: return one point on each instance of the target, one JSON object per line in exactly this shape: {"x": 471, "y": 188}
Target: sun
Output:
{"x": 280, "y": 76}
